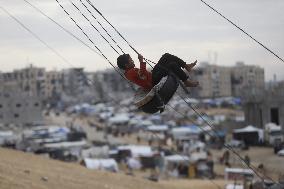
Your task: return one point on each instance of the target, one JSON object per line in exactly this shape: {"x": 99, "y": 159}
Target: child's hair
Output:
{"x": 122, "y": 60}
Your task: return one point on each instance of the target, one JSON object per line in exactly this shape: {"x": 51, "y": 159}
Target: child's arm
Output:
{"x": 142, "y": 70}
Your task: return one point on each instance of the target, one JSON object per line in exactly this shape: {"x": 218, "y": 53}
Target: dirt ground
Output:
{"x": 20, "y": 170}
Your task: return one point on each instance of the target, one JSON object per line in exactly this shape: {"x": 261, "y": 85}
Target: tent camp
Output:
{"x": 250, "y": 135}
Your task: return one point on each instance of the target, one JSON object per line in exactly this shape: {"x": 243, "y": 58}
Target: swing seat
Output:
{"x": 158, "y": 97}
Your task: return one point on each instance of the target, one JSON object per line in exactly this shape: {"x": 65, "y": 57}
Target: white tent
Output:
{"x": 157, "y": 128}
{"x": 66, "y": 144}
{"x": 95, "y": 151}
{"x": 101, "y": 164}
{"x": 138, "y": 151}
{"x": 234, "y": 186}
{"x": 177, "y": 158}
{"x": 184, "y": 133}
{"x": 272, "y": 127}
{"x": 119, "y": 119}
{"x": 251, "y": 129}
{"x": 146, "y": 123}
{"x": 250, "y": 135}
{"x": 247, "y": 129}
{"x": 196, "y": 156}
{"x": 6, "y": 136}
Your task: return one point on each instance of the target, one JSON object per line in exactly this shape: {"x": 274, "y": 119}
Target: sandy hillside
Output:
{"x": 20, "y": 170}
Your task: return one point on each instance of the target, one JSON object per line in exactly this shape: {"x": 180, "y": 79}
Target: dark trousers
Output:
{"x": 168, "y": 64}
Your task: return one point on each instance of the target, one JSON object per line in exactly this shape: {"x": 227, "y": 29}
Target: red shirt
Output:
{"x": 140, "y": 77}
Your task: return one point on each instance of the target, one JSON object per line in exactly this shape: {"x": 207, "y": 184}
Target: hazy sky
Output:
{"x": 186, "y": 28}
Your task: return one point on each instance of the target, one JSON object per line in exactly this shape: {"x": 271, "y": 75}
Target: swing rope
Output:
{"x": 92, "y": 5}
{"x": 94, "y": 26}
{"x": 86, "y": 35}
{"x": 242, "y": 30}
{"x": 101, "y": 25}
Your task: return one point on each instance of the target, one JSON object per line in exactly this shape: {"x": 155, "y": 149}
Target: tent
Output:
{"x": 250, "y": 135}
{"x": 234, "y": 186}
{"x": 177, "y": 159}
{"x": 137, "y": 151}
{"x": 119, "y": 119}
{"x": 101, "y": 164}
{"x": 96, "y": 151}
{"x": 7, "y": 136}
{"x": 66, "y": 145}
{"x": 157, "y": 128}
{"x": 186, "y": 132}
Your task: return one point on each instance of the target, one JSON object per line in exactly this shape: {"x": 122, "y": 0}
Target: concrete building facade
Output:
{"x": 246, "y": 77}
{"x": 53, "y": 84}
{"x": 74, "y": 81}
{"x": 19, "y": 108}
{"x": 215, "y": 81}
{"x": 265, "y": 107}
{"x": 220, "y": 81}
{"x": 30, "y": 80}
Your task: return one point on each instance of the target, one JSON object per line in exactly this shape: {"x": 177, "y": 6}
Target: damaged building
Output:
{"x": 262, "y": 107}
{"x": 19, "y": 108}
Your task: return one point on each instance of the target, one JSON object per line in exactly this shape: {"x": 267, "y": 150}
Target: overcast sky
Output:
{"x": 186, "y": 28}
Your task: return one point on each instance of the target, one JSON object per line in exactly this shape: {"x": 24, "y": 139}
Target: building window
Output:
{"x": 1, "y": 106}
{"x": 16, "y": 115}
{"x": 274, "y": 115}
{"x": 18, "y": 105}
{"x": 36, "y": 104}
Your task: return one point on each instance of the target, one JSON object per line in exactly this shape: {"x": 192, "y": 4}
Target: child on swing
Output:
{"x": 167, "y": 64}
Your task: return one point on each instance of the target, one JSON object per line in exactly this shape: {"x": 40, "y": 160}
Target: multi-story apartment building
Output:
{"x": 9, "y": 83}
{"x": 40, "y": 83}
{"x": 53, "y": 84}
{"x": 214, "y": 81}
{"x": 31, "y": 80}
{"x": 247, "y": 78}
{"x": 74, "y": 81}
{"x": 221, "y": 81}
